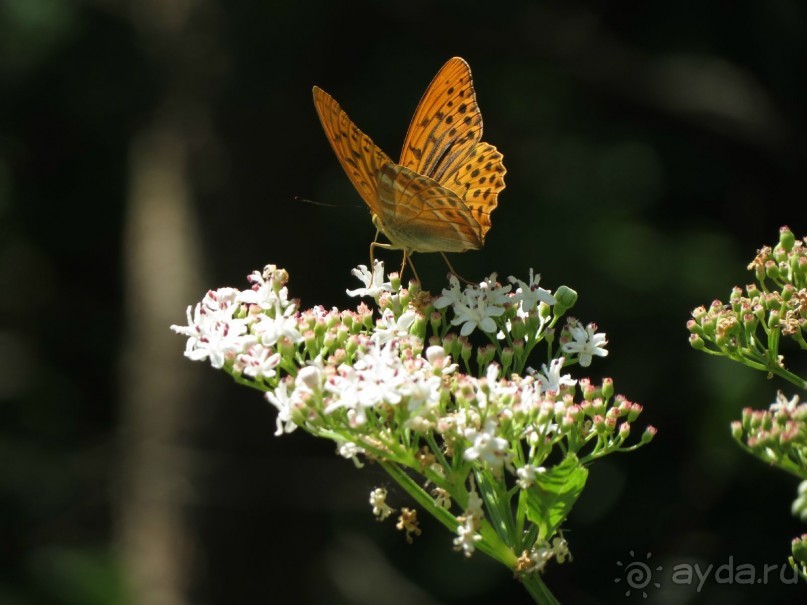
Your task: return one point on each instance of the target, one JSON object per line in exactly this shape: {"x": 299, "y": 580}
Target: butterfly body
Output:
{"x": 439, "y": 197}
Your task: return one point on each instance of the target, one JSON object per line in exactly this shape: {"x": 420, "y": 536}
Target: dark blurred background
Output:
{"x": 152, "y": 149}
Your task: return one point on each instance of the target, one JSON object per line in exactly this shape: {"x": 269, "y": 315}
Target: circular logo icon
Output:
{"x": 637, "y": 575}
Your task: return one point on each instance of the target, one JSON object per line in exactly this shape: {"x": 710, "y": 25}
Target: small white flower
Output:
{"x": 560, "y": 548}
{"x": 422, "y": 390}
{"x": 783, "y": 403}
{"x": 526, "y": 475}
{"x": 309, "y": 379}
{"x": 486, "y": 446}
{"x": 214, "y": 334}
{"x": 263, "y": 293}
{"x": 550, "y": 377}
{"x": 450, "y": 296}
{"x": 222, "y": 299}
{"x": 467, "y": 536}
{"x": 475, "y": 506}
{"x": 378, "y": 499}
{"x": 258, "y": 362}
{"x": 474, "y": 312}
{"x": 285, "y": 403}
{"x": 529, "y": 294}
{"x": 387, "y": 327}
{"x": 442, "y": 498}
{"x": 375, "y": 378}
{"x": 374, "y": 284}
{"x": 439, "y": 360}
{"x": 495, "y": 293}
{"x": 272, "y": 329}
{"x": 586, "y": 342}
{"x": 351, "y": 451}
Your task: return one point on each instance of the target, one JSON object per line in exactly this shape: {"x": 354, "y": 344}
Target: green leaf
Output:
{"x": 550, "y": 499}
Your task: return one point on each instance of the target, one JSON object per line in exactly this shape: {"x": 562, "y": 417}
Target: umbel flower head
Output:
{"x": 751, "y": 326}
{"x": 435, "y": 389}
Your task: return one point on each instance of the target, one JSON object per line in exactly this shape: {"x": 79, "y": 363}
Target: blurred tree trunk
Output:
{"x": 163, "y": 261}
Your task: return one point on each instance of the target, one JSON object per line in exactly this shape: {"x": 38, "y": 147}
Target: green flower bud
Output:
{"x": 507, "y": 360}
{"x": 518, "y": 348}
{"x": 285, "y": 347}
{"x": 484, "y": 355}
{"x": 320, "y": 328}
{"x": 310, "y": 343}
{"x": 338, "y": 357}
{"x": 649, "y": 434}
{"x": 352, "y": 345}
{"x": 737, "y": 430}
{"x": 518, "y": 329}
{"x": 565, "y": 299}
{"x": 771, "y": 270}
{"x": 342, "y": 332}
{"x": 451, "y": 345}
{"x": 799, "y": 267}
{"x": 799, "y": 549}
{"x": 607, "y": 388}
{"x": 435, "y": 319}
{"x": 759, "y": 272}
{"x": 465, "y": 349}
{"x": 599, "y": 424}
{"x": 635, "y": 410}
{"x": 786, "y": 238}
{"x": 752, "y": 290}
{"x": 347, "y": 321}
{"x": 419, "y": 326}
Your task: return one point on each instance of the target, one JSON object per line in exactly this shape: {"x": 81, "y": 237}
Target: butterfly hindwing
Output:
{"x": 479, "y": 181}
{"x": 418, "y": 214}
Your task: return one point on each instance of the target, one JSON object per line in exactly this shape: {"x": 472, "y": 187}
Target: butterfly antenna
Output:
{"x": 454, "y": 271}
{"x": 297, "y": 198}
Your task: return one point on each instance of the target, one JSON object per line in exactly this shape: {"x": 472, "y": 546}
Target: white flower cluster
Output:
{"x": 398, "y": 386}
{"x": 370, "y": 386}
{"x": 243, "y": 328}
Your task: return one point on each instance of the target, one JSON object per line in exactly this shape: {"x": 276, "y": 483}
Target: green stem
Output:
{"x": 490, "y": 544}
{"x": 538, "y": 590}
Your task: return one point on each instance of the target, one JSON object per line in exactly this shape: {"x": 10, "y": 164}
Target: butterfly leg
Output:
{"x": 373, "y": 245}
{"x": 408, "y": 257}
{"x": 454, "y": 271}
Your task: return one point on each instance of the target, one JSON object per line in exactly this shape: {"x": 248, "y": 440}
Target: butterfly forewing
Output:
{"x": 418, "y": 214}
{"x": 359, "y": 156}
{"x": 446, "y": 126}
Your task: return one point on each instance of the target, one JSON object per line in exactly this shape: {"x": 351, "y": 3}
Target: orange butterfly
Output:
{"x": 440, "y": 196}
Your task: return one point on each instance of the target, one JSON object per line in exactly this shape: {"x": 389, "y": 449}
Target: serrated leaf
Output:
{"x": 551, "y": 497}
